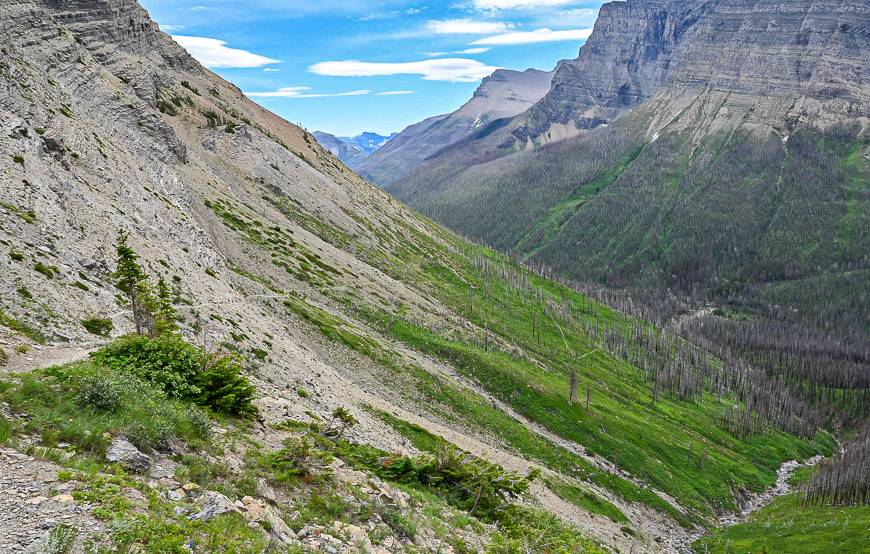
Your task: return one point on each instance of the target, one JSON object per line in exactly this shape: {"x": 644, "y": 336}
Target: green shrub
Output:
{"x": 482, "y": 488}
{"x": 18, "y": 159}
{"x": 526, "y": 529}
{"x": 80, "y": 285}
{"x": 182, "y": 371}
{"x": 4, "y": 357}
{"x": 24, "y": 293}
{"x": 16, "y": 256}
{"x": 300, "y": 458}
{"x": 60, "y": 540}
{"x": 99, "y": 391}
{"x": 32, "y": 333}
{"x": 223, "y": 387}
{"x": 100, "y": 326}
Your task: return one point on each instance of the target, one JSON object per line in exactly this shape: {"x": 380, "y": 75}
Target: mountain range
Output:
{"x": 352, "y": 150}
{"x": 680, "y": 149}
{"x": 673, "y": 319}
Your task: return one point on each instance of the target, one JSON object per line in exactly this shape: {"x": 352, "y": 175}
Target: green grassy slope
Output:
{"x": 525, "y": 336}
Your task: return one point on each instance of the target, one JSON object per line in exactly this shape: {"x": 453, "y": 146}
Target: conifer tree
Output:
{"x": 133, "y": 282}
{"x": 165, "y": 318}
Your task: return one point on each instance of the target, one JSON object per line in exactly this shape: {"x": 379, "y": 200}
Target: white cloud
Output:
{"x": 467, "y": 27}
{"x": 271, "y": 69}
{"x": 466, "y": 51}
{"x": 538, "y": 35}
{"x": 171, "y": 28}
{"x": 300, "y": 92}
{"x": 212, "y": 52}
{"x": 513, "y": 4}
{"x": 459, "y": 70}
{"x": 395, "y": 92}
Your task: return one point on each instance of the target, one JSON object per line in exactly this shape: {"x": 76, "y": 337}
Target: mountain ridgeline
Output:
{"x": 352, "y": 150}
{"x": 503, "y": 94}
{"x": 415, "y": 391}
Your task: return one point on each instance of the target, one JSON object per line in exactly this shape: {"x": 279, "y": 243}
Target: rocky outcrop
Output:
{"x": 503, "y": 94}
{"x": 771, "y": 64}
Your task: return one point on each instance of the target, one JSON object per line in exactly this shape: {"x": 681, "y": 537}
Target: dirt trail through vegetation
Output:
{"x": 47, "y": 356}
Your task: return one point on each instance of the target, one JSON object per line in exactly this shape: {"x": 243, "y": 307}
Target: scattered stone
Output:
{"x": 163, "y": 468}
{"x": 64, "y": 498}
{"x": 190, "y": 487}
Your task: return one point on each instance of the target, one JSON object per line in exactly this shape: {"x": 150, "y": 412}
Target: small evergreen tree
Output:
{"x": 165, "y": 318}
{"x": 133, "y": 282}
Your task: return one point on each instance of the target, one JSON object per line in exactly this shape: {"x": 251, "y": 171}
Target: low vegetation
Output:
{"x": 100, "y": 326}
{"x": 85, "y": 404}
{"x": 182, "y": 371}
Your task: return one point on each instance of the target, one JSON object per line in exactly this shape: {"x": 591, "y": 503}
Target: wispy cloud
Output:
{"x": 459, "y": 70}
{"x": 514, "y": 4}
{"x": 214, "y": 53}
{"x": 395, "y": 92}
{"x": 171, "y": 28}
{"x": 467, "y": 51}
{"x": 531, "y": 37}
{"x": 301, "y": 92}
{"x": 467, "y": 27}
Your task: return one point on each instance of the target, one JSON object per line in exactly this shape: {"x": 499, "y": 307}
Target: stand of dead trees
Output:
{"x": 775, "y": 374}
{"x": 845, "y": 479}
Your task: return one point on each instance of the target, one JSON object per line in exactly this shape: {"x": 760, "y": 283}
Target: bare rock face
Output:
{"x": 754, "y": 48}
{"x": 626, "y": 59}
{"x": 774, "y": 64}
{"x": 213, "y": 504}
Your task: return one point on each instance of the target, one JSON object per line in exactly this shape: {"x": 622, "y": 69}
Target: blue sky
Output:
{"x": 347, "y": 66}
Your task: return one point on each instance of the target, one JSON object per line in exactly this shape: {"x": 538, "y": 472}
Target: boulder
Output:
{"x": 124, "y": 453}
{"x": 213, "y": 504}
